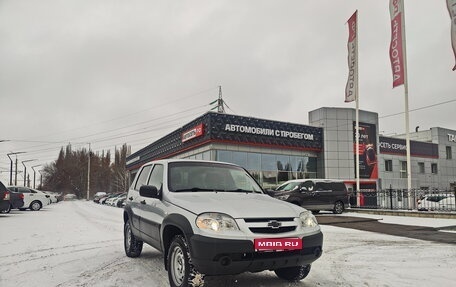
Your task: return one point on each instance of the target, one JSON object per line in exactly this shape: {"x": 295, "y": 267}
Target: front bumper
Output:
{"x": 213, "y": 256}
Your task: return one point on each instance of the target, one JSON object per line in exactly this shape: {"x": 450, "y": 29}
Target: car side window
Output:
{"x": 23, "y": 190}
{"x": 142, "y": 178}
{"x": 307, "y": 186}
{"x": 156, "y": 177}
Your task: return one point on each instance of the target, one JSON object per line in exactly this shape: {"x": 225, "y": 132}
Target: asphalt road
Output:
{"x": 373, "y": 225}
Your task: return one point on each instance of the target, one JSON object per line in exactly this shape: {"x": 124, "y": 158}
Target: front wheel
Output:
{"x": 338, "y": 207}
{"x": 133, "y": 246}
{"x": 181, "y": 272}
{"x": 293, "y": 274}
{"x": 35, "y": 205}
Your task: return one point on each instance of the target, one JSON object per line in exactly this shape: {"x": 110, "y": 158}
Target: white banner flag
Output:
{"x": 397, "y": 42}
{"x": 451, "y": 4}
{"x": 352, "y": 83}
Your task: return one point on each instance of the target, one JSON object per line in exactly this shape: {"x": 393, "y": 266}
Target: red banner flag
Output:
{"x": 351, "y": 88}
{"x": 397, "y": 42}
{"x": 451, "y": 4}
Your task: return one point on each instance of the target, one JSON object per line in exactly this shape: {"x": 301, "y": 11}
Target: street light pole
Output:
{"x": 11, "y": 165}
{"x": 41, "y": 178}
{"x": 25, "y": 170}
{"x": 34, "y": 174}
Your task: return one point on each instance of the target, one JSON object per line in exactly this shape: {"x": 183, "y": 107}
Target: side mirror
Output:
{"x": 149, "y": 191}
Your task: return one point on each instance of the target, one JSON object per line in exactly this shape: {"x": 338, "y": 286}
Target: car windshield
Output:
{"x": 288, "y": 186}
{"x": 201, "y": 176}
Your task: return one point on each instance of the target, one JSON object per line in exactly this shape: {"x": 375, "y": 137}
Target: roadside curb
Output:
{"x": 412, "y": 213}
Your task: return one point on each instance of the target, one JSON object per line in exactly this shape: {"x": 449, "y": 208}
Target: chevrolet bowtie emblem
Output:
{"x": 274, "y": 224}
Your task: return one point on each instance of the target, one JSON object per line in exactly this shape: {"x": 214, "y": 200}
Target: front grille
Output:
{"x": 272, "y": 225}
{"x": 270, "y": 230}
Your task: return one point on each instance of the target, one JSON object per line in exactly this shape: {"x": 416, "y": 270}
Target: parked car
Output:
{"x": 4, "y": 198}
{"x": 108, "y": 199}
{"x": 69, "y": 197}
{"x": 117, "y": 198}
{"x": 314, "y": 194}
{"x": 54, "y": 197}
{"x": 437, "y": 201}
{"x": 98, "y": 196}
{"x": 213, "y": 218}
{"x": 121, "y": 201}
{"x": 16, "y": 201}
{"x": 33, "y": 199}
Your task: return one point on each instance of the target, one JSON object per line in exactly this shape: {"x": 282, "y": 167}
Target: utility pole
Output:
{"x": 88, "y": 175}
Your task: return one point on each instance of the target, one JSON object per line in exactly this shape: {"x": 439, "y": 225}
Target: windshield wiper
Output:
{"x": 242, "y": 190}
{"x": 193, "y": 189}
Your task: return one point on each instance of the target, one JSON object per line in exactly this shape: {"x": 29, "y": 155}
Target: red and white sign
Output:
{"x": 397, "y": 42}
{"x": 278, "y": 244}
{"x": 451, "y": 4}
{"x": 352, "y": 83}
{"x": 193, "y": 133}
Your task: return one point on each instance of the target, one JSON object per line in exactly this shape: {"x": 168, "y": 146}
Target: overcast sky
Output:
{"x": 112, "y": 72}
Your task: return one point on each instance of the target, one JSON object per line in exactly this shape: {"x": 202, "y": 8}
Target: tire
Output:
{"x": 338, "y": 207}
{"x": 315, "y": 211}
{"x": 7, "y": 210}
{"x": 293, "y": 274}
{"x": 132, "y": 245}
{"x": 181, "y": 272}
{"x": 35, "y": 205}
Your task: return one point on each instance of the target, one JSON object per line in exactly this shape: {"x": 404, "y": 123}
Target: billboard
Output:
{"x": 368, "y": 166}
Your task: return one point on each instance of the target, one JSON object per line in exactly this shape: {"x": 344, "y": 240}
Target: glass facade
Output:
{"x": 271, "y": 170}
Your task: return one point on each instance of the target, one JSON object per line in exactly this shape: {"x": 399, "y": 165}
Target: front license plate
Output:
{"x": 277, "y": 244}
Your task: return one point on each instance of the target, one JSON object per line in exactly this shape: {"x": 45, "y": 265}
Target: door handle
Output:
{"x": 143, "y": 201}
{"x": 130, "y": 198}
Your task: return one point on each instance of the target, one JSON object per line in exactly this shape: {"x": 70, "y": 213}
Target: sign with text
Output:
{"x": 193, "y": 133}
{"x": 367, "y": 150}
{"x": 352, "y": 84}
{"x": 278, "y": 244}
{"x": 397, "y": 42}
{"x": 397, "y": 146}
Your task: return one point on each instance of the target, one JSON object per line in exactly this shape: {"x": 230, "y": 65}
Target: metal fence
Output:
{"x": 421, "y": 200}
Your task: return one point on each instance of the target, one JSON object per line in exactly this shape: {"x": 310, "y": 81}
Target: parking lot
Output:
{"x": 80, "y": 243}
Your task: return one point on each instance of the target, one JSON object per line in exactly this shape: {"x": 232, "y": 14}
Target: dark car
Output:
{"x": 16, "y": 201}
{"x": 4, "y": 198}
{"x": 314, "y": 194}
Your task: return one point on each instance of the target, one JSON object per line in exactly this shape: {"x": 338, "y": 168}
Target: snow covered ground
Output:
{"x": 80, "y": 243}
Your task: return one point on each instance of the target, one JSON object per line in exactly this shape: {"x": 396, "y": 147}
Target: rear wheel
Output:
{"x": 181, "y": 272}
{"x": 133, "y": 246}
{"x": 35, "y": 205}
{"x": 338, "y": 207}
{"x": 295, "y": 273}
{"x": 7, "y": 210}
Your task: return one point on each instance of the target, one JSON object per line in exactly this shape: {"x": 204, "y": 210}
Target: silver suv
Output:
{"x": 212, "y": 218}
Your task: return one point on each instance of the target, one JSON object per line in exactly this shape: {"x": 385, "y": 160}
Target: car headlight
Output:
{"x": 283, "y": 197}
{"x": 217, "y": 222}
{"x": 308, "y": 219}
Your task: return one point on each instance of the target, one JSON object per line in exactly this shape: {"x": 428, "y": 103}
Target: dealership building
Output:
{"x": 274, "y": 152}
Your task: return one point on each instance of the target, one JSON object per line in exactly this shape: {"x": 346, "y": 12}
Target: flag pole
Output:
{"x": 358, "y": 195}
{"x": 352, "y": 89}
{"x": 406, "y": 106}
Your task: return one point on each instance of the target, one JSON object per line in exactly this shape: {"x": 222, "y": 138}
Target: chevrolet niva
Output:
{"x": 212, "y": 218}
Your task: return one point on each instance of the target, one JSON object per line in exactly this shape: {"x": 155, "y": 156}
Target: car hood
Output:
{"x": 235, "y": 204}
